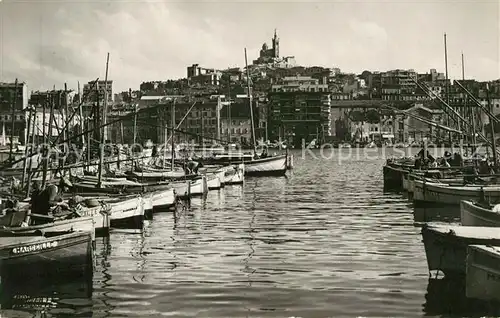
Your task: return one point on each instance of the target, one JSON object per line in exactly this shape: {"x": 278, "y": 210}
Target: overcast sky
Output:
{"x": 47, "y": 43}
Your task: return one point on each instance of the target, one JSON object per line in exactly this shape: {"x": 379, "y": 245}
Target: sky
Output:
{"x": 46, "y": 43}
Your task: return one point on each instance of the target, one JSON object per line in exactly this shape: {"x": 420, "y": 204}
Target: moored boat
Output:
{"x": 36, "y": 255}
{"x": 126, "y": 211}
{"x": 446, "y": 245}
{"x": 482, "y": 280}
{"x": 199, "y": 186}
{"x": 270, "y": 166}
{"x": 213, "y": 181}
{"x": 234, "y": 174}
{"x": 13, "y": 223}
{"x": 475, "y": 214}
{"x": 163, "y": 198}
{"x": 447, "y": 194}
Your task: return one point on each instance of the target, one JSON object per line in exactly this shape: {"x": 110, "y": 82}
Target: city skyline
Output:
{"x": 48, "y": 43}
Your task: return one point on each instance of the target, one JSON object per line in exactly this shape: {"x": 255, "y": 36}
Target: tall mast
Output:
{"x": 30, "y": 114}
{"x": 135, "y": 123}
{"x": 104, "y": 130}
{"x": 447, "y": 87}
{"x": 492, "y": 127}
{"x": 13, "y": 117}
{"x": 82, "y": 129}
{"x": 172, "y": 137}
{"x": 250, "y": 103}
{"x": 229, "y": 110}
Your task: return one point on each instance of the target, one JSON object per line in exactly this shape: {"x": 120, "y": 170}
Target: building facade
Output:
{"x": 15, "y": 96}
{"x": 98, "y": 92}
{"x": 299, "y": 108}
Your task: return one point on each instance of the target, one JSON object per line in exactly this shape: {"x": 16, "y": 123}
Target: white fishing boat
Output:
{"x": 446, "y": 245}
{"x": 157, "y": 174}
{"x": 213, "y": 181}
{"x": 182, "y": 189}
{"x": 473, "y": 214}
{"x": 482, "y": 279}
{"x": 126, "y": 211}
{"x": 12, "y": 223}
{"x": 444, "y": 193}
{"x": 199, "y": 186}
{"x": 164, "y": 198}
{"x": 234, "y": 174}
{"x": 270, "y": 166}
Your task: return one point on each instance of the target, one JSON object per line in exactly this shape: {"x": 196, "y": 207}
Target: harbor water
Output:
{"x": 323, "y": 242}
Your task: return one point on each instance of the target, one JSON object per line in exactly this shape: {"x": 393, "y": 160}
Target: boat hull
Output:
{"x": 199, "y": 186}
{"x": 234, "y": 175}
{"x": 164, "y": 199}
{"x": 482, "y": 279}
{"x": 272, "y": 166}
{"x": 473, "y": 215}
{"x": 127, "y": 212}
{"x": 213, "y": 182}
{"x": 84, "y": 223}
{"x": 39, "y": 256}
{"x": 446, "y": 246}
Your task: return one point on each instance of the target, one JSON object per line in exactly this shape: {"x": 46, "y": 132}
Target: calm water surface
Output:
{"x": 323, "y": 242}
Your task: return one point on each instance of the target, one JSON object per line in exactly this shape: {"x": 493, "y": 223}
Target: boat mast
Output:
{"x": 135, "y": 123}
{"x": 447, "y": 87}
{"x": 30, "y": 114}
{"x": 250, "y": 103}
{"x": 13, "y": 117}
{"x": 104, "y": 128}
{"x": 229, "y": 124}
{"x": 472, "y": 112}
{"x": 172, "y": 137}
{"x": 164, "y": 142}
{"x": 32, "y": 150}
{"x": 492, "y": 128}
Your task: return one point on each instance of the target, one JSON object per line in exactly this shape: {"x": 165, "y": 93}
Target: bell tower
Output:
{"x": 276, "y": 45}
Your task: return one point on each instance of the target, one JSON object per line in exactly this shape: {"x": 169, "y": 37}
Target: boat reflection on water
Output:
{"x": 447, "y": 297}
{"x": 69, "y": 295}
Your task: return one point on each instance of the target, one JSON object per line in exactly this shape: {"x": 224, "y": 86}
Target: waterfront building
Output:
{"x": 93, "y": 94}
{"x": 17, "y": 95}
{"x": 299, "y": 108}
{"x": 61, "y": 101}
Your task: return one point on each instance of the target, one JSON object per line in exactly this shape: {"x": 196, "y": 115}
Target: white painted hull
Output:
{"x": 446, "y": 245}
{"x": 163, "y": 198}
{"x": 147, "y": 198}
{"x": 473, "y": 215}
{"x": 99, "y": 215}
{"x": 235, "y": 175}
{"x": 267, "y": 166}
{"x": 213, "y": 182}
{"x": 442, "y": 193}
{"x": 129, "y": 208}
{"x": 199, "y": 186}
{"x": 482, "y": 280}
{"x": 182, "y": 188}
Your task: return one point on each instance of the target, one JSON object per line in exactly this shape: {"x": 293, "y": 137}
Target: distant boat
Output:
{"x": 271, "y": 166}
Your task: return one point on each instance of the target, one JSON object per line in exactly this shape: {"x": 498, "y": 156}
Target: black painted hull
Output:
{"x": 39, "y": 256}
